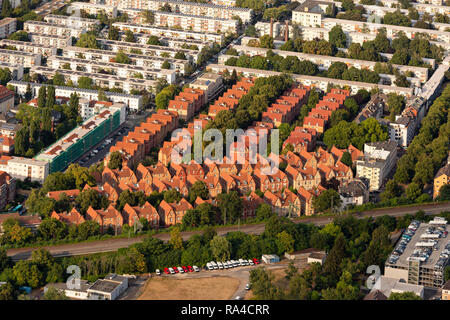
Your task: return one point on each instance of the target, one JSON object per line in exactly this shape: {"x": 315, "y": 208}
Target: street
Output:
{"x": 109, "y": 245}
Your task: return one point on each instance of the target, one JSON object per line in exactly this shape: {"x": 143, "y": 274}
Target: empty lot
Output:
{"x": 209, "y": 288}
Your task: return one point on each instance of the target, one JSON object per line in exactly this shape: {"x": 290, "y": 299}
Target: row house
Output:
{"x": 306, "y": 198}
{"x": 230, "y": 99}
{"x": 7, "y": 189}
{"x": 284, "y": 203}
{"x": 133, "y": 214}
{"x": 250, "y": 204}
{"x": 301, "y": 138}
{"x": 73, "y": 217}
{"x": 108, "y": 219}
{"x": 187, "y": 103}
{"x": 275, "y": 182}
{"x": 56, "y": 195}
{"x": 173, "y": 213}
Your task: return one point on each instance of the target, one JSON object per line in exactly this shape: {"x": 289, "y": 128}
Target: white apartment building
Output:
{"x": 134, "y": 102}
{"x": 99, "y": 79}
{"x": 91, "y": 108}
{"x": 50, "y": 40}
{"x": 151, "y": 50}
{"x": 15, "y": 69}
{"x": 136, "y": 59}
{"x": 310, "y": 13}
{"x": 119, "y": 69}
{"x": 391, "y": 30}
{"x": 324, "y": 62}
{"x": 229, "y": 3}
{"x": 25, "y": 59}
{"x": 378, "y": 161}
{"x": 195, "y": 23}
{"x": 22, "y": 168}
{"x": 173, "y": 33}
{"x": 30, "y": 47}
{"x": 203, "y": 9}
{"x": 93, "y": 8}
{"x": 7, "y": 26}
{"x": 72, "y": 21}
{"x": 173, "y": 42}
{"x": 43, "y": 27}
{"x": 318, "y": 82}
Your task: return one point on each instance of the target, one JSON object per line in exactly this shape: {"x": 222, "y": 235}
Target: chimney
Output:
{"x": 271, "y": 27}
{"x": 286, "y": 31}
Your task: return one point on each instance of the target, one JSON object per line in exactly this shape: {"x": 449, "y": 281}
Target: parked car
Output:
{"x": 230, "y": 264}
{"x": 196, "y": 269}
{"x": 167, "y": 271}
{"x": 180, "y": 269}
{"x": 158, "y": 273}
{"x": 256, "y": 261}
{"x": 214, "y": 265}
{"x": 242, "y": 262}
{"x": 247, "y": 286}
{"x": 209, "y": 266}
{"x": 185, "y": 269}
{"x": 220, "y": 265}
{"x": 172, "y": 271}
{"x": 175, "y": 269}
{"x": 250, "y": 262}
{"x": 225, "y": 265}
{"x": 190, "y": 269}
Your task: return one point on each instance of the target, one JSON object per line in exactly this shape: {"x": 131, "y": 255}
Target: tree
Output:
{"x": 444, "y": 193}
{"x": 91, "y": 198}
{"x": 176, "y": 241}
{"x": 264, "y": 212}
{"x": 115, "y": 160}
{"x": 165, "y": 65}
{"x": 391, "y": 191}
{"x": 396, "y": 18}
{"x": 121, "y": 57}
{"x": 336, "y": 70}
{"x": 230, "y": 206}
{"x": 7, "y": 9}
{"x": 113, "y": 33}
{"x": 129, "y": 36}
{"x": 286, "y": 241}
{"x": 220, "y": 248}
{"x": 335, "y": 257}
{"x": 7, "y": 292}
{"x": 266, "y": 41}
{"x": 58, "y": 79}
{"x": 148, "y": 16}
{"x": 5, "y": 76}
{"x": 180, "y": 55}
{"x": 19, "y": 36}
{"x": 51, "y": 98}
{"x": 5, "y": 261}
{"x": 85, "y": 82}
{"x": 337, "y": 37}
{"x": 262, "y": 286}
{"x": 413, "y": 191}
{"x": 88, "y": 40}
{"x": 52, "y": 229}
{"x": 404, "y": 296}
{"x": 27, "y": 273}
{"x": 42, "y": 97}
{"x": 154, "y": 40}
{"x": 172, "y": 195}
{"x": 55, "y": 294}
{"x": 198, "y": 189}
{"x": 347, "y": 159}
{"x": 328, "y": 199}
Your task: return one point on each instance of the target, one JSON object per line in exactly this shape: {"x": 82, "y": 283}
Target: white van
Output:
{"x": 209, "y": 266}
{"x": 242, "y": 262}
{"x": 196, "y": 269}
{"x": 225, "y": 265}
{"x": 220, "y": 265}
{"x": 215, "y": 266}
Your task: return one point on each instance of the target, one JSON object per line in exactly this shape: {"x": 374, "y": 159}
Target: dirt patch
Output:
{"x": 213, "y": 288}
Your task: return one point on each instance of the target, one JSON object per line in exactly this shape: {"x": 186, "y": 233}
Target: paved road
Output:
{"x": 115, "y": 244}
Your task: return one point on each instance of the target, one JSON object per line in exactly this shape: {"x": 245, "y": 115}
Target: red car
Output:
{"x": 166, "y": 271}
{"x": 256, "y": 261}
{"x": 186, "y": 270}
{"x": 190, "y": 269}
{"x": 175, "y": 269}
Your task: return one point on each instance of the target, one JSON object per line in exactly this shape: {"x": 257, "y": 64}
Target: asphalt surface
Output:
{"x": 109, "y": 245}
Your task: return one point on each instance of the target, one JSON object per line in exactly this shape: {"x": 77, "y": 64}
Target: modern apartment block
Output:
{"x": 168, "y": 32}
{"x": 202, "y": 9}
{"x": 7, "y": 27}
{"x": 210, "y": 83}
{"x": 310, "y": 13}
{"x": 22, "y": 168}
{"x": 421, "y": 255}
{"x": 151, "y": 50}
{"x": 30, "y": 47}
{"x": 93, "y": 8}
{"x": 50, "y": 40}
{"x": 195, "y": 22}
{"x": 43, "y": 27}
{"x": 324, "y": 62}
{"x": 75, "y": 143}
{"x": 75, "y": 22}
{"x": 136, "y": 59}
{"x": 100, "y": 79}
{"x": 119, "y": 69}
{"x": 14, "y": 57}
{"x": 378, "y": 161}
{"x": 133, "y": 102}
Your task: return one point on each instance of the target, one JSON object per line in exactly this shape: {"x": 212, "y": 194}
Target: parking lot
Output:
{"x": 102, "y": 148}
